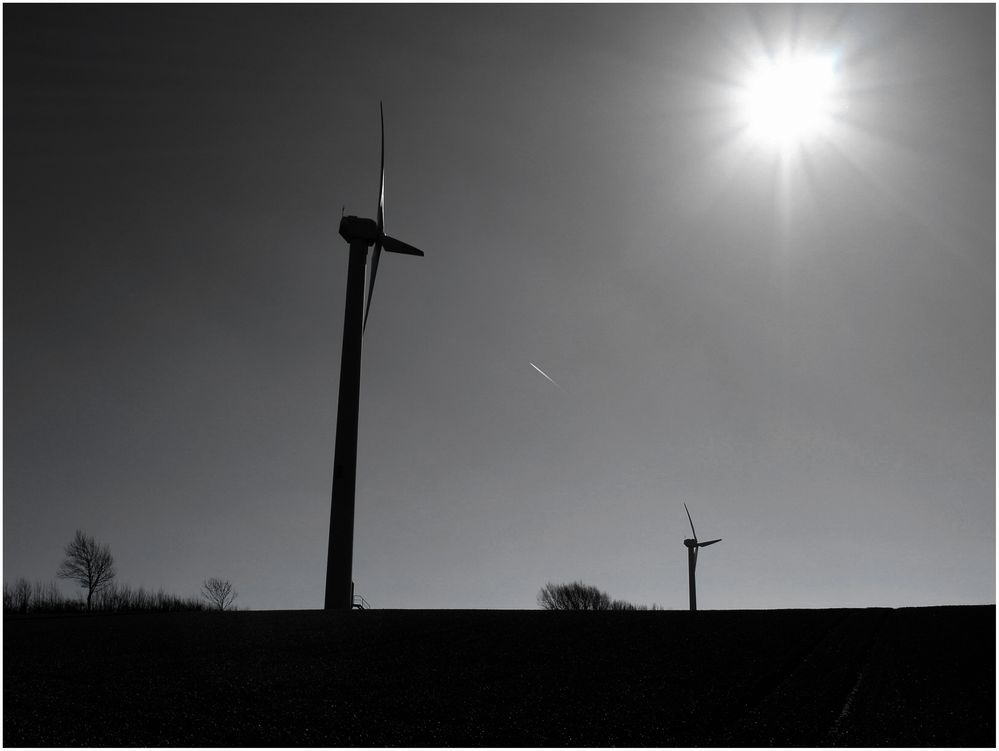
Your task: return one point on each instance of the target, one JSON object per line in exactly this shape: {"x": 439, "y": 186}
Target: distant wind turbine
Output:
{"x": 692, "y": 546}
{"x": 544, "y": 374}
{"x": 361, "y": 234}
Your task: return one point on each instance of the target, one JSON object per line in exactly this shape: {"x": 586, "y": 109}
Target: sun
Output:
{"x": 788, "y": 101}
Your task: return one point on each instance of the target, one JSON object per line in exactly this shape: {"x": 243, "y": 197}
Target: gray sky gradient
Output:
{"x": 803, "y": 352}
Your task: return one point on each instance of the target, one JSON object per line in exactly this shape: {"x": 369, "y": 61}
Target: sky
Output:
{"x": 796, "y": 338}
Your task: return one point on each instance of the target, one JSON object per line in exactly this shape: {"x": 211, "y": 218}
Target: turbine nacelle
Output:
{"x": 695, "y": 544}
{"x": 354, "y": 229}
{"x": 357, "y": 229}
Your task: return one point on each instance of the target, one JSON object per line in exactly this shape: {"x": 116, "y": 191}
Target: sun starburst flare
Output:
{"x": 789, "y": 100}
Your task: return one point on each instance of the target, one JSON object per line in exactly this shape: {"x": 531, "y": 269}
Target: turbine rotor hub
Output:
{"x": 355, "y": 229}
{"x": 690, "y": 543}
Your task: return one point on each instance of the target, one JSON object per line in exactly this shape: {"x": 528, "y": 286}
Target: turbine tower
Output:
{"x": 692, "y": 546}
{"x": 360, "y": 234}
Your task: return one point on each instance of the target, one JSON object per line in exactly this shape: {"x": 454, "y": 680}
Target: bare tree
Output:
{"x": 574, "y": 596}
{"x": 88, "y": 563}
{"x": 219, "y": 593}
{"x": 18, "y": 598}
{"x": 46, "y": 597}
{"x": 579, "y": 596}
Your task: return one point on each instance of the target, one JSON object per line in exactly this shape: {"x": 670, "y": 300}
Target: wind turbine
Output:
{"x": 692, "y": 546}
{"x": 360, "y": 234}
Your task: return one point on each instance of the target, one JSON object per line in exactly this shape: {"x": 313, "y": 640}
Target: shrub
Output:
{"x": 121, "y": 598}
{"x": 112, "y": 598}
{"x": 574, "y": 596}
{"x": 18, "y": 599}
{"x": 579, "y": 596}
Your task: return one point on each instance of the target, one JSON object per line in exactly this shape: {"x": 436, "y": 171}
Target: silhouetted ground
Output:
{"x": 877, "y": 677}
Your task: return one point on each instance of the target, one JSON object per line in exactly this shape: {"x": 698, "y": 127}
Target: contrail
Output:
{"x": 544, "y": 374}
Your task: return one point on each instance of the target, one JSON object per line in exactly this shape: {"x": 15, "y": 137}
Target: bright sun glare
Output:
{"x": 789, "y": 101}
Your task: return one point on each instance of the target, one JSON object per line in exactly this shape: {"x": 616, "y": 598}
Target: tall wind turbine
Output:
{"x": 361, "y": 234}
{"x": 692, "y": 546}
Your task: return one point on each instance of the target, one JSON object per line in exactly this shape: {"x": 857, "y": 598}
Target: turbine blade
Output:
{"x": 381, "y": 181}
{"x": 398, "y": 246}
{"x": 691, "y": 521}
{"x": 709, "y": 542}
{"x": 371, "y": 282}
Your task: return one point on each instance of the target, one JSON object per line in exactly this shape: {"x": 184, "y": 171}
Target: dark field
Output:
{"x": 878, "y": 677}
